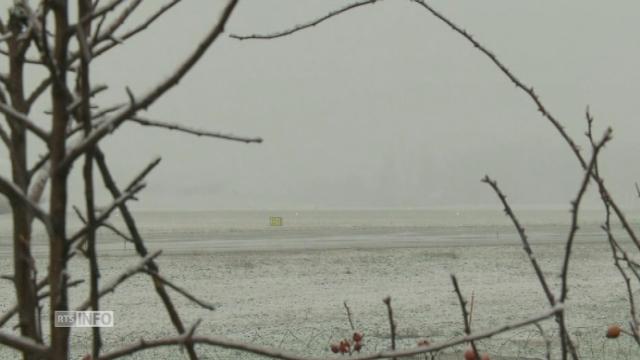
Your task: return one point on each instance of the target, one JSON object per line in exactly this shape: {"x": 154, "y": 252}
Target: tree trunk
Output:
{"x": 58, "y": 199}
{"x": 23, "y": 266}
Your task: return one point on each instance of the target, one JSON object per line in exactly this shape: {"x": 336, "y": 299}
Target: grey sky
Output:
{"x": 381, "y": 107}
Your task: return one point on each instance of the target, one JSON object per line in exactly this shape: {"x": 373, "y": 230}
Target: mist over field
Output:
{"x": 381, "y": 108}
{"x": 307, "y": 177}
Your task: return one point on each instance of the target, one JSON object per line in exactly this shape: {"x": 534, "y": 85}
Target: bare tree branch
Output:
{"x": 117, "y": 231}
{"x": 575, "y": 205}
{"x": 565, "y": 342}
{"x": 346, "y": 307}
{"x": 105, "y": 111}
{"x": 279, "y": 354}
{"x": 38, "y": 91}
{"x": 305, "y": 25}
{"x": 6, "y": 140}
{"x": 547, "y": 341}
{"x": 465, "y": 314}
{"x": 180, "y": 290}
{"x": 523, "y": 237}
{"x": 130, "y": 33}
{"x": 518, "y": 83}
{"x": 14, "y": 193}
{"x": 91, "y": 93}
{"x": 44, "y": 159}
{"x": 94, "y": 14}
{"x": 23, "y": 344}
{"x": 150, "y": 97}
{"x": 104, "y": 224}
{"x": 615, "y": 247}
{"x": 30, "y": 61}
{"x": 83, "y": 105}
{"x": 139, "y": 243}
{"x": 98, "y": 51}
{"x": 154, "y": 123}
{"x": 104, "y": 214}
{"x": 12, "y": 311}
{"x": 23, "y": 120}
{"x": 113, "y": 284}
{"x": 392, "y": 323}
{"x": 115, "y": 24}
{"x": 543, "y": 110}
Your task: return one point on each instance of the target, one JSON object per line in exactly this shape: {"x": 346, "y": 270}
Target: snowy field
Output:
{"x": 293, "y": 298}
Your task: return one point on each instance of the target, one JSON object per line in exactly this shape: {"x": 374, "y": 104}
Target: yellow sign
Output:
{"x": 275, "y": 220}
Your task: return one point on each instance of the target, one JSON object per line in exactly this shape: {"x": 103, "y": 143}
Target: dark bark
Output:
{"x": 84, "y": 117}
{"x": 24, "y": 268}
{"x": 58, "y": 195}
{"x": 141, "y": 249}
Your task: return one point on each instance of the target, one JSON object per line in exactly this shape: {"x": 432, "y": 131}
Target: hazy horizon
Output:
{"x": 4, "y": 208}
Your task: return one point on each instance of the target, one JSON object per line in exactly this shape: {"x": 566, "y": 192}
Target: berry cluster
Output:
{"x": 346, "y": 346}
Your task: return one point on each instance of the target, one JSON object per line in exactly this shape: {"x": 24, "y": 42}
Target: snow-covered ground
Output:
{"x": 294, "y": 298}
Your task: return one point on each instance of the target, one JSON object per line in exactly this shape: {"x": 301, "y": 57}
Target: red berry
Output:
{"x": 335, "y": 348}
{"x": 469, "y": 354}
{"x": 613, "y": 331}
{"x": 357, "y": 336}
{"x": 357, "y": 346}
{"x": 485, "y": 356}
{"x": 344, "y": 346}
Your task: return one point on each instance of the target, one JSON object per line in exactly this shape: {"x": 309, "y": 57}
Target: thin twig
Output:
{"x": 471, "y": 305}
{"x": 6, "y": 140}
{"x": 346, "y": 307}
{"x": 14, "y": 310}
{"x": 113, "y": 284}
{"x": 465, "y": 315}
{"x": 523, "y": 237}
{"x": 392, "y": 323}
{"x": 79, "y": 100}
{"x": 149, "y": 98}
{"x": 24, "y": 120}
{"x": 94, "y": 14}
{"x": 547, "y": 341}
{"x": 615, "y": 247}
{"x": 115, "y": 24}
{"x": 534, "y": 262}
{"x": 154, "y": 123}
{"x": 543, "y": 110}
{"x": 517, "y": 82}
{"x": 9, "y": 189}
{"x": 180, "y": 290}
{"x": 280, "y": 354}
{"x": 138, "y": 242}
{"x": 117, "y": 231}
{"x": 104, "y": 214}
{"x": 305, "y": 25}
{"x": 575, "y": 205}
{"x": 130, "y": 33}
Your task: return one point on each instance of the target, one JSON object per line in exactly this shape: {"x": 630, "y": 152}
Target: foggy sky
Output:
{"x": 384, "y": 106}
